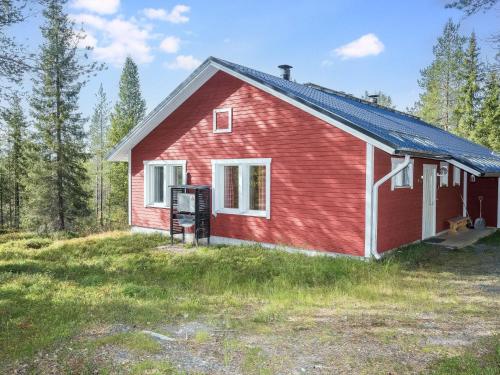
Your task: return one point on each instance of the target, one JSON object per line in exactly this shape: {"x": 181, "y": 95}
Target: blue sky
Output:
{"x": 350, "y": 46}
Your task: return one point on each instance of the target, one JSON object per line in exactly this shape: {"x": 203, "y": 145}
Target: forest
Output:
{"x": 53, "y": 170}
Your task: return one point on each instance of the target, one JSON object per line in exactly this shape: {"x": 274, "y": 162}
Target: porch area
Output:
{"x": 460, "y": 239}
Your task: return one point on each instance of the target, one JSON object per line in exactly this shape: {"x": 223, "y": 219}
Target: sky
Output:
{"x": 346, "y": 45}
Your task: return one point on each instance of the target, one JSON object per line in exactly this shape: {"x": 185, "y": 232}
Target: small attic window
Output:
{"x": 223, "y": 120}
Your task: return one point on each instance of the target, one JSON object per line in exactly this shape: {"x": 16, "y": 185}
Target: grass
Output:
{"x": 133, "y": 341}
{"x": 51, "y": 288}
{"x": 469, "y": 363}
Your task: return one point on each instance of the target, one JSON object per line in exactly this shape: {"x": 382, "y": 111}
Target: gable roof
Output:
{"x": 390, "y": 130}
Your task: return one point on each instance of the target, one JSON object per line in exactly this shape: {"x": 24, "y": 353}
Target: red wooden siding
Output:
{"x": 488, "y": 188}
{"x": 317, "y": 171}
{"x": 400, "y": 211}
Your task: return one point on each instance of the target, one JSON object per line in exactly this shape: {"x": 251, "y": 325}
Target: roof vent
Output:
{"x": 285, "y": 71}
{"x": 374, "y": 98}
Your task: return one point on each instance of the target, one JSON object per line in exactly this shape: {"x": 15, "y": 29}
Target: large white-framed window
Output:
{"x": 223, "y": 120}
{"x": 444, "y": 171}
{"x": 404, "y": 179}
{"x": 241, "y": 187}
{"x": 159, "y": 175}
{"x": 456, "y": 176}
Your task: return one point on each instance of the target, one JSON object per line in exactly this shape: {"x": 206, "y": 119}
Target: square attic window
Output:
{"x": 223, "y": 120}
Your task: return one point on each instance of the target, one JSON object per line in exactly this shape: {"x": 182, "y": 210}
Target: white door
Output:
{"x": 429, "y": 202}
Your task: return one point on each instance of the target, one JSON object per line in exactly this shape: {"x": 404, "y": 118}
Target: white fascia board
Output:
{"x": 120, "y": 153}
{"x": 464, "y": 167}
{"x": 307, "y": 109}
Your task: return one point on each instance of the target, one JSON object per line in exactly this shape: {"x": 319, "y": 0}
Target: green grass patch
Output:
{"x": 135, "y": 341}
{"x": 150, "y": 367}
{"x": 51, "y": 288}
{"x": 487, "y": 362}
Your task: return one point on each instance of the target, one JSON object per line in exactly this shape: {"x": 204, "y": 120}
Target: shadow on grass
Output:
{"x": 47, "y": 294}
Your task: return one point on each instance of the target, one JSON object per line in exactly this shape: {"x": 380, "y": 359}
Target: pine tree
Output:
{"x": 13, "y": 59}
{"x": 99, "y": 127}
{"x": 57, "y": 178}
{"x": 441, "y": 80}
{"x": 471, "y": 75}
{"x": 383, "y": 99}
{"x": 16, "y": 155}
{"x": 487, "y": 131}
{"x": 128, "y": 111}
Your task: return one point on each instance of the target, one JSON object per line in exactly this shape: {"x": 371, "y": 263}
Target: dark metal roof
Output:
{"x": 405, "y": 133}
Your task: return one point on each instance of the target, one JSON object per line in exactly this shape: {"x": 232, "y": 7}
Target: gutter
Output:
{"x": 374, "y": 216}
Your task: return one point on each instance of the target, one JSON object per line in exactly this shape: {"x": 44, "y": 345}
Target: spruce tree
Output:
{"x": 14, "y": 62}
{"x": 471, "y": 75}
{"x": 16, "y": 129}
{"x": 99, "y": 127}
{"x": 487, "y": 131}
{"x": 441, "y": 80}
{"x": 58, "y": 177}
{"x": 128, "y": 112}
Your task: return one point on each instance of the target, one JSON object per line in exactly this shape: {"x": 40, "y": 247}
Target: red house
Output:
{"x": 302, "y": 166}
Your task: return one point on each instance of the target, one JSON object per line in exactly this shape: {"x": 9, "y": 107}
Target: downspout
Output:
{"x": 374, "y": 218}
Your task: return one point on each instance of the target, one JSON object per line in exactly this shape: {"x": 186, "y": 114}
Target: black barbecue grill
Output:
{"x": 190, "y": 208}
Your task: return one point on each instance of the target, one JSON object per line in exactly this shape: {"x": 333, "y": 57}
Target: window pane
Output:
{"x": 222, "y": 121}
{"x": 231, "y": 186}
{"x": 258, "y": 187}
{"x": 158, "y": 184}
{"x": 177, "y": 175}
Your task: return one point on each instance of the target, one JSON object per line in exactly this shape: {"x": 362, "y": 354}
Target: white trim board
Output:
{"x": 193, "y": 84}
{"x": 464, "y": 195}
{"x": 142, "y": 130}
{"x": 129, "y": 187}
{"x": 370, "y": 172}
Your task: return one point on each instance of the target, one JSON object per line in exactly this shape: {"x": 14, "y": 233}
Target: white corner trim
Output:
{"x": 370, "y": 172}
{"x": 229, "y": 112}
{"x": 129, "y": 196}
{"x": 464, "y": 195}
{"x": 498, "y": 204}
{"x": 217, "y": 184}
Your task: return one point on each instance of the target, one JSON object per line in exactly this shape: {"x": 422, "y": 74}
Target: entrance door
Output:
{"x": 429, "y": 202}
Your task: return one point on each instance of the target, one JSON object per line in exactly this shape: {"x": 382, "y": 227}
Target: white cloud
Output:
{"x": 326, "y": 62}
{"x": 367, "y": 45}
{"x": 170, "y": 44}
{"x": 98, "y": 6}
{"x": 186, "y": 62}
{"x": 176, "y": 15}
{"x": 118, "y": 38}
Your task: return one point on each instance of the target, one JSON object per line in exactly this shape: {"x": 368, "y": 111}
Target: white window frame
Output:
{"x": 244, "y": 192}
{"x": 147, "y": 179}
{"x": 444, "y": 180}
{"x": 456, "y": 175}
{"x": 394, "y": 163}
{"x": 229, "y": 112}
